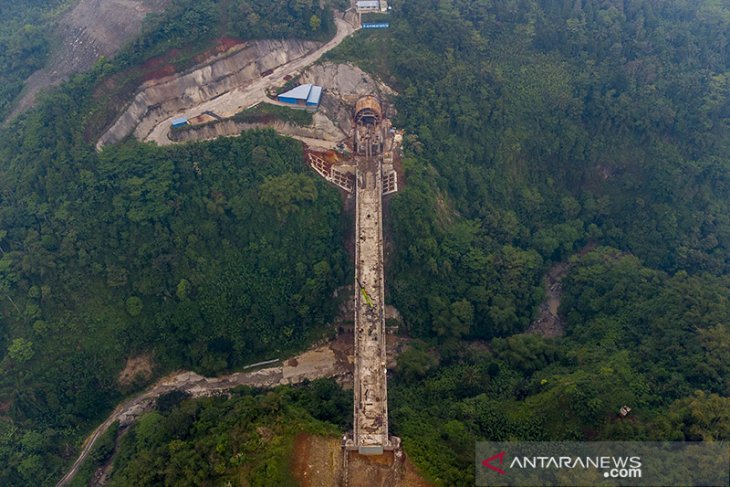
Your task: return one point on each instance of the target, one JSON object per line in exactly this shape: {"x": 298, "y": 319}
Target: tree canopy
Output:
{"x": 591, "y": 133}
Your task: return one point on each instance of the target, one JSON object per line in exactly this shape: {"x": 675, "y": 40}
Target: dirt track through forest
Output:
{"x": 331, "y": 360}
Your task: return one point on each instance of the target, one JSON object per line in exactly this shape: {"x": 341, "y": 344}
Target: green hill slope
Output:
{"x": 594, "y": 132}
{"x": 206, "y": 256}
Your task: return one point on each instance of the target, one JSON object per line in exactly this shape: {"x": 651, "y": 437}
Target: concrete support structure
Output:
{"x": 341, "y": 175}
{"x": 370, "y": 177}
{"x": 370, "y": 425}
{"x": 371, "y": 392}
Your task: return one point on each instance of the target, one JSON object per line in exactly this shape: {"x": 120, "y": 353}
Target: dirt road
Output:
{"x": 324, "y": 144}
{"x": 330, "y": 360}
{"x": 244, "y": 97}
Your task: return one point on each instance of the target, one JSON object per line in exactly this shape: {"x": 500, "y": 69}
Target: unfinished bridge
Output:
{"x": 370, "y": 422}
{"x": 370, "y": 175}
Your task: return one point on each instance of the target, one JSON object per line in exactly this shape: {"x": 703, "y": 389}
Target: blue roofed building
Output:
{"x": 179, "y": 122}
{"x": 307, "y": 95}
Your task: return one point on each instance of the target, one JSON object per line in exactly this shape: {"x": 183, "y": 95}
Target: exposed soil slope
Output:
{"x": 318, "y": 462}
{"x": 158, "y": 100}
{"x": 343, "y": 83}
{"x": 90, "y": 29}
{"x": 233, "y": 99}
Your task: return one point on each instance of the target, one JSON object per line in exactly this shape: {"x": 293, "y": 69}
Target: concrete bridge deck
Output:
{"x": 371, "y": 395}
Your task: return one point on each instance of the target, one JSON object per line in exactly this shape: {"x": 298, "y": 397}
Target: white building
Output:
{"x": 369, "y": 6}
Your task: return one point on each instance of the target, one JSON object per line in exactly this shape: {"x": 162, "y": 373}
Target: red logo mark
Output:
{"x": 488, "y": 462}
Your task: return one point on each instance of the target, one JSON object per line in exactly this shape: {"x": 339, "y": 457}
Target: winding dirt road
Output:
{"x": 244, "y": 97}
{"x": 331, "y": 360}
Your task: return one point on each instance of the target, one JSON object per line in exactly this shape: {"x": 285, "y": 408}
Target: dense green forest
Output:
{"x": 531, "y": 137}
{"x": 209, "y": 256}
{"x": 635, "y": 336}
{"x": 590, "y": 131}
{"x": 246, "y": 439}
{"x": 24, "y": 43}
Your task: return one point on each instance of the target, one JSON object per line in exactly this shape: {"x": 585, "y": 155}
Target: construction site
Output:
{"x": 350, "y": 142}
{"x": 364, "y": 167}
{"x": 372, "y": 139}
{"x": 367, "y": 173}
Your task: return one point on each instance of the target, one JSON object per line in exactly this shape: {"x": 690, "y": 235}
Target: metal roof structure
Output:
{"x": 314, "y": 95}
{"x": 180, "y": 121}
{"x": 368, "y": 4}
{"x": 301, "y": 92}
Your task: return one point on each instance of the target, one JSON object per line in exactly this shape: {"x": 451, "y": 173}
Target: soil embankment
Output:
{"x": 158, "y": 100}
{"x": 322, "y": 129}
{"x": 91, "y": 29}
{"x": 224, "y": 102}
{"x": 319, "y": 462}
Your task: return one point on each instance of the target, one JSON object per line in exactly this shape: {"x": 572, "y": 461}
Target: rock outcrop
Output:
{"x": 344, "y": 85}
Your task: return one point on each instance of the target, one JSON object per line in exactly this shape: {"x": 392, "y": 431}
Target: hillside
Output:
{"x": 595, "y": 134}
{"x": 591, "y": 135}
{"x": 24, "y": 44}
{"x": 91, "y": 28}
{"x": 207, "y": 256}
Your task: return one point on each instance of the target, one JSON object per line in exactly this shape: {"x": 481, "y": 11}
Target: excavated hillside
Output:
{"x": 92, "y": 28}
{"x": 322, "y": 129}
{"x": 157, "y": 100}
{"x": 346, "y": 81}
{"x": 343, "y": 83}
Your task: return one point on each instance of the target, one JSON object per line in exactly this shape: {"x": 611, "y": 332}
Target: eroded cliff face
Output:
{"x": 92, "y": 28}
{"x": 161, "y": 99}
{"x": 322, "y": 129}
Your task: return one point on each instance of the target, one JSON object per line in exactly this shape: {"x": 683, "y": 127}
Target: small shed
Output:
{"x": 179, "y": 122}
